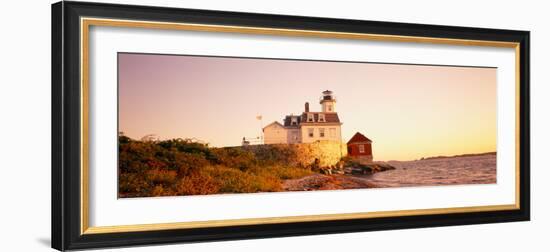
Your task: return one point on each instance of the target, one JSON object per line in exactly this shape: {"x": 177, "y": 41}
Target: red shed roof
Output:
{"x": 359, "y": 138}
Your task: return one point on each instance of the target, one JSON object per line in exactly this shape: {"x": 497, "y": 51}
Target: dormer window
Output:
{"x": 294, "y": 121}
{"x": 322, "y": 118}
{"x": 310, "y": 118}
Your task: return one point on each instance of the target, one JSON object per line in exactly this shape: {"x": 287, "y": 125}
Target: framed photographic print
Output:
{"x": 180, "y": 125}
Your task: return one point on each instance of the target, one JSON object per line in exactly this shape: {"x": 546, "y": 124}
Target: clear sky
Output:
{"x": 408, "y": 111}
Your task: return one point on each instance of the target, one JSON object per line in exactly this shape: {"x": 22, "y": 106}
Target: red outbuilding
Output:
{"x": 360, "y": 147}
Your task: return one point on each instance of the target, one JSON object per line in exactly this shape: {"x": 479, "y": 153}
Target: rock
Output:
{"x": 338, "y": 171}
{"x": 326, "y": 182}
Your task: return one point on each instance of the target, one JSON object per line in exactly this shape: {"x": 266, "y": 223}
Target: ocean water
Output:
{"x": 478, "y": 169}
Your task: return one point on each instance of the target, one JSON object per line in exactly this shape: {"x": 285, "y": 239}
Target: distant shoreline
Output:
{"x": 438, "y": 157}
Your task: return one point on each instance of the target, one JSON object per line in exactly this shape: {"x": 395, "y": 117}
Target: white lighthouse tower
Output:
{"x": 328, "y": 102}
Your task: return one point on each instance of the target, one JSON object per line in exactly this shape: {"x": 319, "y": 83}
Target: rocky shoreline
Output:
{"x": 326, "y": 182}
{"x": 334, "y": 178}
{"x": 455, "y": 170}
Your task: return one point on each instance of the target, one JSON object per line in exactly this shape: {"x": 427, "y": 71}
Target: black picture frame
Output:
{"x": 66, "y": 123}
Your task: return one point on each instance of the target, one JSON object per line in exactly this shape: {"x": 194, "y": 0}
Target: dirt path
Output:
{"x": 326, "y": 182}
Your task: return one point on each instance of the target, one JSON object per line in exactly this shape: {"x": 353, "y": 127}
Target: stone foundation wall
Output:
{"x": 304, "y": 154}
{"x": 363, "y": 159}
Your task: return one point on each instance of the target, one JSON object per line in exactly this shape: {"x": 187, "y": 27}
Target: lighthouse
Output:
{"x": 309, "y": 126}
{"x": 328, "y": 102}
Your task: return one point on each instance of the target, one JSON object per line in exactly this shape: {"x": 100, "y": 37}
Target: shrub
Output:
{"x": 197, "y": 183}
{"x": 136, "y": 156}
{"x": 184, "y": 167}
{"x": 231, "y": 180}
{"x": 234, "y": 157}
{"x": 266, "y": 183}
{"x": 132, "y": 185}
{"x": 158, "y": 176}
{"x": 160, "y": 190}
{"x": 186, "y": 163}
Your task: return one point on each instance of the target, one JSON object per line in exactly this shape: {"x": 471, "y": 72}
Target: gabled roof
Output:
{"x": 329, "y": 117}
{"x": 359, "y": 138}
{"x": 273, "y": 123}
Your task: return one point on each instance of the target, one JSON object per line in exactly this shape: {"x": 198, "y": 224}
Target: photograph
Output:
{"x": 202, "y": 124}
{"x": 174, "y": 123}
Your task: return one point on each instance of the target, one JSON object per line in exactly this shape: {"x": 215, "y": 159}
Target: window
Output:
{"x": 361, "y": 148}
{"x": 294, "y": 121}
{"x": 332, "y": 132}
{"x": 322, "y": 118}
{"x": 310, "y": 118}
{"x": 321, "y": 132}
{"x": 310, "y": 132}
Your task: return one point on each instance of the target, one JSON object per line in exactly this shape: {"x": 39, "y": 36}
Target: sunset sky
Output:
{"x": 408, "y": 111}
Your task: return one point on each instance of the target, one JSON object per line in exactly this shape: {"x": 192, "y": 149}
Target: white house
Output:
{"x": 307, "y": 127}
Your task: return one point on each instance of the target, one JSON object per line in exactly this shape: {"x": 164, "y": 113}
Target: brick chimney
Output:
{"x": 307, "y": 107}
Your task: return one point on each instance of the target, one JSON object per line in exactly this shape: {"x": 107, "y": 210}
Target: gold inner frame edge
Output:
{"x": 86, "y": 22}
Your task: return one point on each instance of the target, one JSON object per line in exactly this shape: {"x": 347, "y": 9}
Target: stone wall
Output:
{"x": 363, "y": 159}
{"x": 303, "y": 154}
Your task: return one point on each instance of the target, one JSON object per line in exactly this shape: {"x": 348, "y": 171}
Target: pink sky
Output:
{"x": 408, "y": 111}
